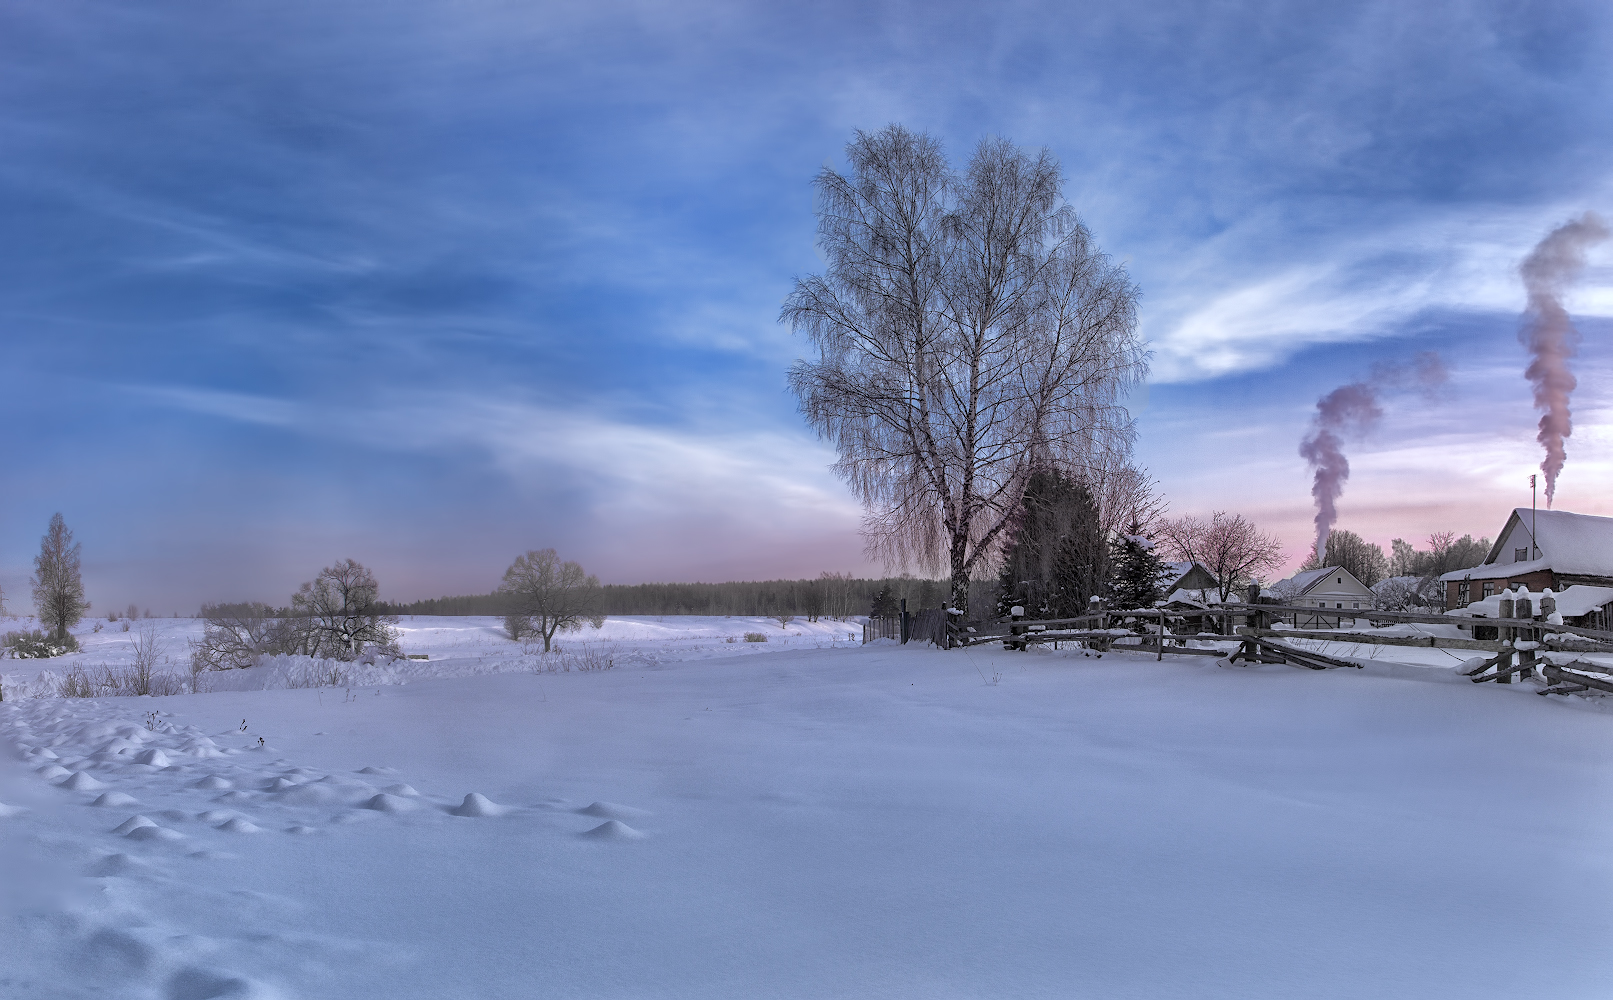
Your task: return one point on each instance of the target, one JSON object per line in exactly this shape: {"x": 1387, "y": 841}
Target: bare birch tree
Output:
{"x": 57, "y": 584}
{"x": 969, "y": 331}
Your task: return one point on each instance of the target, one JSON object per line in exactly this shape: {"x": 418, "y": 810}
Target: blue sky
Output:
{"x": 428, "y": 284}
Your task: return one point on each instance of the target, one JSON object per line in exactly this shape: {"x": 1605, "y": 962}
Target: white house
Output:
{"x": 1331, "y": 587}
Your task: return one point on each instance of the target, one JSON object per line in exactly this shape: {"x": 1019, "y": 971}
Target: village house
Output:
{"x": 1331, "y": 587}
{"x": 1189, "y": 582}
{"x": 1540, "y": 550}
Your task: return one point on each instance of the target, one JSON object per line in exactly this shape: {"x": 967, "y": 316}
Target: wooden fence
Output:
{"x": 927, "y": 625}
{"x": 1516, "y": 649}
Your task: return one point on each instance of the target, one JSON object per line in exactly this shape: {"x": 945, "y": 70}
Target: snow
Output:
{"x": 806, "y": 819}
{"x": 1571, "y": 602}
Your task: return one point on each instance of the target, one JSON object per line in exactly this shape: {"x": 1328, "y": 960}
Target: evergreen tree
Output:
{"x": 1055, "y": 559}
{"x": 884, "y": 604}
{"x": 1137, "y": 570}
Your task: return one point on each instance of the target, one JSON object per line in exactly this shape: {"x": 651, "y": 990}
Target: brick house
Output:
{"x": 1540, "y": 549}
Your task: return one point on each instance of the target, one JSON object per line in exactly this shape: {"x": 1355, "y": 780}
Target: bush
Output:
{"x": 36, "y": 645}
{"x": 517, "y": 626}
{"x": 755, "y": 637}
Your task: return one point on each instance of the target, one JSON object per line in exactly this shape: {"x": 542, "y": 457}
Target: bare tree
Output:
{"x": 1231, "y": 548}
{"x": 235, "y": 635}
{"x": 1346, "y": 549}
{"x": 968, "y": 331}
{"x": 553, "y": 596}
{"x": 58, "y": 587}
{"x": 339, "y": 613}
{"x": 837, "y": 594}
{"x": 1129, "y": 501}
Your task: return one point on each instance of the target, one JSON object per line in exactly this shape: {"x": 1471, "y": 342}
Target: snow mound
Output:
{"x": 155, "y": 757}
{"x": 382, "y": 802}
{"x": 6, "y": 810}
{"x": 80, "y": 782}
{"x": 477, "y": 804}
{"x": 613, "y": 829}
{"x": 234, "y": 797}
{"x": 116, "y": 864}
{"x": 610, "y": 810}
{"x": 50, "y": 772}
{"x": 217, "y": 815}
{"x": 115, "y": 799}
{"x": 405, "y": 790}
{"x": 281, "y": 785}
{"x": 154, "y": 832}
{"x": 300, "y": 829}
{"x": 376, "y": 770}
{"x": 237, "y": 825}
{"x": 213, "y": 781}
{"x": 131, "y": 824}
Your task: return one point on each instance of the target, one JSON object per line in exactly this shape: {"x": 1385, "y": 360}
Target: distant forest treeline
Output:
{"x": 830, "y": 596}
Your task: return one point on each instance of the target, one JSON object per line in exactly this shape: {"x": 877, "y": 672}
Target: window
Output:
{"x": 1489, "y": 588}
{"x": 1341, "y": 604}
{"x": 1356, "y": 606}
{"x": 1341, "y": 580}
{"x": 1464, "y": 593}
{"x": 1520, "y": 555}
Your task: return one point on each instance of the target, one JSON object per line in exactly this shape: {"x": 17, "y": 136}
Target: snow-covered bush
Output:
{"x": 36, "y": 645}
{"x": 755, "y": 637}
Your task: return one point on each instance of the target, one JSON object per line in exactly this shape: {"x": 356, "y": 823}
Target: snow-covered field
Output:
{"x": 808, "y": 818}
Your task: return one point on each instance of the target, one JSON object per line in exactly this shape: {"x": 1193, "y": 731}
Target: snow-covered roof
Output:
{"x": 1298, "y": 584}
{"x": 1579, "y": 544}
{"x": 1571, "y": 603}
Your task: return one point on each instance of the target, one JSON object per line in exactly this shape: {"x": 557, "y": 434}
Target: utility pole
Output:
{"x": 1534, "y": 546}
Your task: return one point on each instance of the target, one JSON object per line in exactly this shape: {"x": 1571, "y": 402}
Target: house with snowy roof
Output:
{"x": 1189, "y": 582}
{"x": 1542, "y": 549}
{"x": 1332, "y": 587}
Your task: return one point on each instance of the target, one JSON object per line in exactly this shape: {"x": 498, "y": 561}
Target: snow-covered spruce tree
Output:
{"x": 339, "y": 612}
{"x": 1135, "y": 570}
{"x": 1055, "y": 560}
{"x": 58, "y": 587}
{"x": 552, "y": 596}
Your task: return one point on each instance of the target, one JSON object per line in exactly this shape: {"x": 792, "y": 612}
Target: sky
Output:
{"x": 429, "y": 283}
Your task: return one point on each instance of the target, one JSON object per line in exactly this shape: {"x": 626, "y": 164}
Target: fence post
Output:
{"x": 904, "y": 621}
{"x": 1523, "y": 608}
{"x": 1503, "y": 667}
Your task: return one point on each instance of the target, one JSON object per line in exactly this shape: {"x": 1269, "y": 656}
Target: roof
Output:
{"x": 1577, "y": 544}
{"x": 1298, "y": 584}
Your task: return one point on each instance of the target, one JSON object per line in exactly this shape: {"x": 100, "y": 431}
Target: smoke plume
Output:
{"x": 1549, "y": 335}
{"x": 1349, "y": 411}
